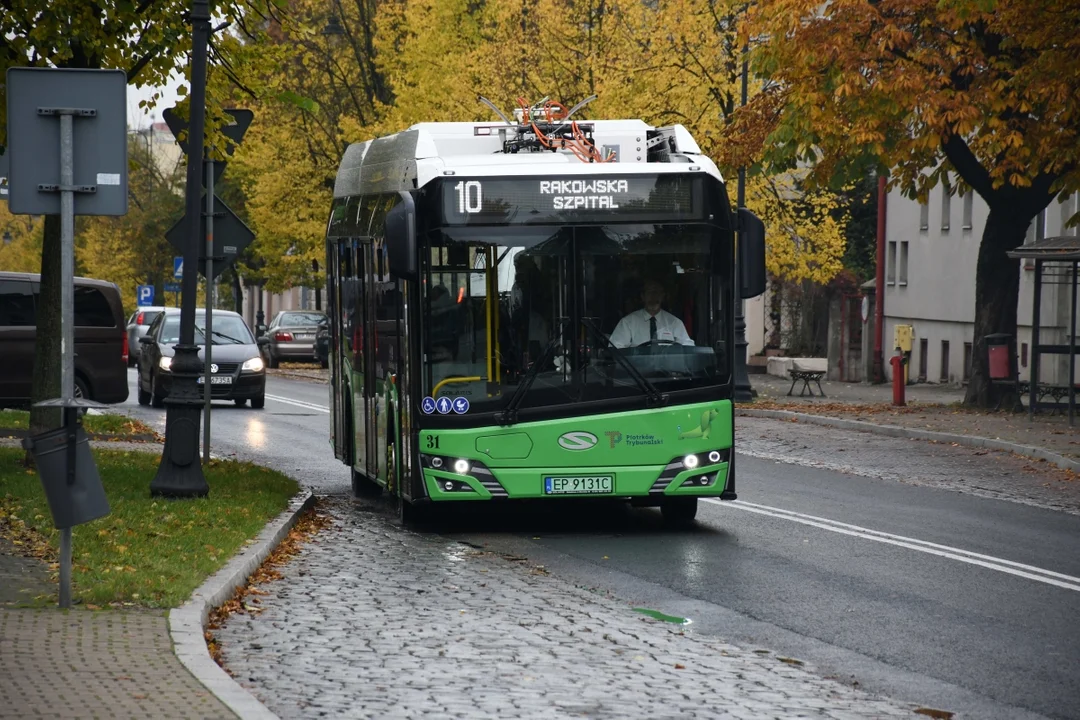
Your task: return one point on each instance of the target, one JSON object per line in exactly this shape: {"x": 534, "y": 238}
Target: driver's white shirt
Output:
{"x": 633, "y": 329}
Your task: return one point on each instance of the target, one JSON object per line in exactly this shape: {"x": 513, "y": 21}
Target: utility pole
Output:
{"x": 180, "y": 473}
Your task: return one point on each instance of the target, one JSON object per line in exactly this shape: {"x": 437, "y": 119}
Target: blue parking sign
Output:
{"x": 144, "y": 295}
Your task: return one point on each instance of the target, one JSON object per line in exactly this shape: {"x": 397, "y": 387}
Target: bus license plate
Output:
{"x": 217, "y": 380}
{"x": 578, "y": 484}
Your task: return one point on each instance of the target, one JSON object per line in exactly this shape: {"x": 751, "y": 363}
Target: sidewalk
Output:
{"x": 116, "y": 663}
{"x": 932, "y": 408}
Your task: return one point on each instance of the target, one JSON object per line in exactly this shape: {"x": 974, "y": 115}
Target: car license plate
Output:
{"x": 217, "y": 380}
{"x": 578, "y": 484}
{"x": 303, "y": 336}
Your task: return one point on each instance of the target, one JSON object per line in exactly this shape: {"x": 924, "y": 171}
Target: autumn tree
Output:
{"x": 148, "y": 40}
{"x": 976, "y": 94}
{"x": 314, "y": 85}
{"x": 674, "y": 61}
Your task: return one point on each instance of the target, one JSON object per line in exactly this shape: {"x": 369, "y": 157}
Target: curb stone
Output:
{"x": 974, "y": 441}
{"x": 187, "y": 623}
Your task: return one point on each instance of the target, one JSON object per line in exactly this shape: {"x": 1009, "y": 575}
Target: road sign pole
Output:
{"x": 67, "y": 337}
{"x": 209, "y": 305}
{"x": 180, "y": 473}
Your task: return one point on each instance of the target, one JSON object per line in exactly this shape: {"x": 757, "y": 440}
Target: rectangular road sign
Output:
{"x": 178, "y": 268}
{"x": 97, "y": 100}
{"x": 172, "y": 287}
{"x": 144, "y": 295}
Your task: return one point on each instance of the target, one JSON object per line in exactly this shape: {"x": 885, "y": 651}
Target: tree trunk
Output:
{"x": 997, "y": 288}
{"x": 47, "y": 353}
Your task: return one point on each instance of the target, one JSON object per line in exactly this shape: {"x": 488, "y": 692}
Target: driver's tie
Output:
{"x": 652, "y": 328}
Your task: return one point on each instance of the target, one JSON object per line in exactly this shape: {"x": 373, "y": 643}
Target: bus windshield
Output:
{"x": 573, "y": 313}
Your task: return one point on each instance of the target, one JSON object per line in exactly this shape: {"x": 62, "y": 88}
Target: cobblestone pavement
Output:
{"x": 83, "y": 664}
{"x": 987, "y": 473}
{"x": 374, "y": 621}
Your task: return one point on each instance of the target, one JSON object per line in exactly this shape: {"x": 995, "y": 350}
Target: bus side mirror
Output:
{"x": 400, "y": 227}
{"x": 751, "y": 254}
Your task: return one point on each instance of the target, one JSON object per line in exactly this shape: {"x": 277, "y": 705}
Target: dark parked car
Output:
{"x": 137, "y": 325}
{"x": 237, "y": 371}
{"x": 322, "y": 343}
{"x": 291, "y": 336}
{"x": 101, "y": 349}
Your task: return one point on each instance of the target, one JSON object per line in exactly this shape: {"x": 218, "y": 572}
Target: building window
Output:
{"x": 1037, "y": 229}
{"x": 944, "y": 361}
{"x": 946, "y": 208}
{"x": 924, "y": 216}
{"x": 967, "y": 361}
{"x": 924, "y": 350}
{"x": 890, "y": 264}
{"x": 1069, "y": 207}
{"x": 903, "y": 263}
{"x": 969, "y": 207}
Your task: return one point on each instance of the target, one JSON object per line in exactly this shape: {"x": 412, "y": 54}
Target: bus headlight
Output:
{"x": 461, "y": 466}
{"x": 165, "y": 363}
{"x": 690, "y": 462}
{"x": 255, "y": 364}
{"x": 436, "y": 462}
{"x": 714, "y": 457}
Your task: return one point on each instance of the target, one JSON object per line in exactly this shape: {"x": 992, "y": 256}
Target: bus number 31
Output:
{"x": 469, "y": 196}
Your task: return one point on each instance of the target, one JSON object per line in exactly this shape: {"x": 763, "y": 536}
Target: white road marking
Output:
{"x": 299, "y": 403}
{"x": 1030, "y": 572}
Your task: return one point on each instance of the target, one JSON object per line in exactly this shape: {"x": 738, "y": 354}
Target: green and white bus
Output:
{"x": 536, "y": 310}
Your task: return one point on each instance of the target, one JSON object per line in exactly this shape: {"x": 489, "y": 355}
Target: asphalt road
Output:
{"x": 954, "y": 601}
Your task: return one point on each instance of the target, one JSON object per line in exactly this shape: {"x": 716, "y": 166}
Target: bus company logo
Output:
{"x": 577, "y": 441}
{"x": 614, "y": 438}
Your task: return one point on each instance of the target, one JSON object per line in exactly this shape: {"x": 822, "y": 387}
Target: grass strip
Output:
{"x": 104, "y": 424}
{"x": 149, "y": 552}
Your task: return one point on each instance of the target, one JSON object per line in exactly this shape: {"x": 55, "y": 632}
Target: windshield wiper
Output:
{"x": 655, "y": 396}
{"x": 223, "y": 335}
{"x": 509, "y": 414}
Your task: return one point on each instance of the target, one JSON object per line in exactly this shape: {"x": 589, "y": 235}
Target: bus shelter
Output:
{"x": 1056, "y": 260}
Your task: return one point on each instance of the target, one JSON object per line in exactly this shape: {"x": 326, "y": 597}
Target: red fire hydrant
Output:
{"x": 897, "y": 362}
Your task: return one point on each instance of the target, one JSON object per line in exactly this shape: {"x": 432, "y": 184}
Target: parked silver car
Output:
{"x": 137, "y": 325}
{"x": 291, "y": 336}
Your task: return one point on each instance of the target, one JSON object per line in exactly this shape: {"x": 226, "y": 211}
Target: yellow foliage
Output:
{"x": 673, "y": 61}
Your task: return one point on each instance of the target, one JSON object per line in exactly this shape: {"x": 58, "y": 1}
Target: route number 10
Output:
{"x": 469, "y": 196}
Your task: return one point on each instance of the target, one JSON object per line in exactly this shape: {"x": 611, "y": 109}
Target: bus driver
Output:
{"x": 650, "y": 323}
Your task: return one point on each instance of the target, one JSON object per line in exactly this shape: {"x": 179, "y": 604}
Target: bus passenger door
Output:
{"x": 357, "y": 353}
{"x": 339, "y": 436}
{"x": 388, "y": 307}
{"x": 371, "y": 340}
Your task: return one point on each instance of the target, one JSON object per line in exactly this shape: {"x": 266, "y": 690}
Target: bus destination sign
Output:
{"x": 531, "y": 200}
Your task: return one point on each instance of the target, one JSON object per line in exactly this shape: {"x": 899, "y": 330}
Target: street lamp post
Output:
{"x": 180, "y": 472}
{"x": 743, "y": 391}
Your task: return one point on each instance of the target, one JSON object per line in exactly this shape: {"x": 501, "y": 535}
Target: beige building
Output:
{"x": 931, "y": 254}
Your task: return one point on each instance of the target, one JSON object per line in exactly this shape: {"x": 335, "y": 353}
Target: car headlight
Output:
{"x": 254, "y": 365}
{"x": 165, "y": 363}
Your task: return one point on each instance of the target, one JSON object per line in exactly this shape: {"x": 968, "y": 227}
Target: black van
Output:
{"x": 101, "y": 347}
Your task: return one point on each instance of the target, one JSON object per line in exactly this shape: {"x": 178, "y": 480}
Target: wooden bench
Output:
{"x": 807, "y": 377}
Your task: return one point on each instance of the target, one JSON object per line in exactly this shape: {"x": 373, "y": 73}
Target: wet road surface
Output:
{"x": 882, "y": 574}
